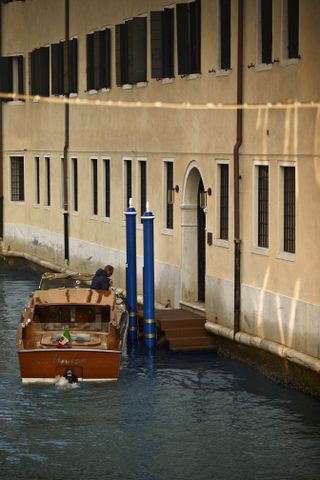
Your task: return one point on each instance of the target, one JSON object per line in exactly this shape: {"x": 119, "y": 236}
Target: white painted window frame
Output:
{"x": 281, "y": 254}
{"x": 217, "y": 241}
{"x": 165, "y": 230}
{"x": 105, "y": 158}
{"x": 255, "y": 189}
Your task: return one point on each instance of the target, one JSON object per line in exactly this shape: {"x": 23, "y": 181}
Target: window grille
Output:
{"x": 94, "y": 164}
{"x": 37, "y": 180}
{"x": 289, "y": 209}
{"x": 263, "y": 206}
{"x": 75, "y": 184}
{"x": 143, "y": 187}
{"x": 128, "y": 166}
{"x": 107, "y": 187}
{"x": 17, "y": 179}
{"x": 48, "y": 182}
{"x": 169, "y": 175}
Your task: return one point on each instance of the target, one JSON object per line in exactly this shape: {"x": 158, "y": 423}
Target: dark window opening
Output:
{"x": 169, "y": 175}
{"x": 99, "y": 60}
{"x": 128, "y": 167}
{"x": 225, "y": 34}
{"x": 143, "y": 187}
{"x": 107, "y": 191}
{"x": 293, "y": 28}
{"x": 131, "y": 51}
{"x": 40, "y": 72}
{"x": 11, "y": 75}
{"x": 189, "y": 37}
{"x": 263, "y": 206}
{"x": 224, "y": 201}
{"x": 75, "y": 184}
{"x": 162, "y": 44}
{"x": 17, "y": 179}
{"x": 289, "y": 212}
{"x": 94, "y": 163}
{"x": 64, "y": 67}
{"x": 266, "y": 31}
{"x": 48, "y": 182}
{"x": 37, "y": 180}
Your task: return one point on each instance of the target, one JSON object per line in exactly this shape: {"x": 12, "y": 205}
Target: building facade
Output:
{"x": 109, "y": 100}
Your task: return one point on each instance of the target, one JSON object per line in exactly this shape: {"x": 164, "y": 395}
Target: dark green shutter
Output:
{"x": 167, "y": 42}
{"x": 195, "y": 36}
{"x": 96, "y": 60}
{"x": 293, "y": 29}
{"x": 90, "y": 80}
{"x": 139, "y": 49}
{"x": 118, "y": 55}
{"x": 266, "y": 31}
{"x": 225, "y": 33}
{"x": 183, "y": 38}
{"x": 73, "y": 65}
{"x": 55, "y": 69}
{"x": 156, "y": 45}
{"x": 20, "y": 74}
{"x": 6, "y": 77}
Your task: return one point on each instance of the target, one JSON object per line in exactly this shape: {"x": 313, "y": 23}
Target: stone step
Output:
{"x": 184, "y": 331}
{"x": 195, "y": 342}
{"x": 181, "y": 323}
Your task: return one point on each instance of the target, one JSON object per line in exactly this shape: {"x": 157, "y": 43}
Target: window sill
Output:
{"x": 141, "y": 84}
{"x": 218, "y": 242}
{"x": 193, "y": 76}
{"x": 126, "y": 86}
{"x": 92, "y": 92}
{"x": 36, "y": 205}
{"x": 288, "y": 61}
{"x": 262, "y": 67}
{"x": 165, "y": 81}
{"x": 167, "y": 231}
{"x": 223, "y": 72}
{"x": 47, "y": 207}
{"x": 290, "y": 257}
{"x": 260, "y": 251}
{"x": 94, "y": 217}
{"x": 105, "y": 219}
{"x": 16, "y": 102}
{"x": 74, "y": 213}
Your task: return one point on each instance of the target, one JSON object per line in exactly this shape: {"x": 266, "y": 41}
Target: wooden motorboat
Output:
{"x": 69, "y": 330}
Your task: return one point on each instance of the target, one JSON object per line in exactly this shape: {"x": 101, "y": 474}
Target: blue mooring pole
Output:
{"x": 148, "y": 279}
{"x": 131, "y": 272}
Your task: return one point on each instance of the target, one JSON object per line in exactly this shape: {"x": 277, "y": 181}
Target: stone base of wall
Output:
{"x": 277, "y": 369}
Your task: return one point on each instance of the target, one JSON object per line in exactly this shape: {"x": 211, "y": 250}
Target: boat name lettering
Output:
{"x": 76, "y": 361}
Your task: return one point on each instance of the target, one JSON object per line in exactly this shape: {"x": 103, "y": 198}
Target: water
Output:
{"x": 171, "y": 416}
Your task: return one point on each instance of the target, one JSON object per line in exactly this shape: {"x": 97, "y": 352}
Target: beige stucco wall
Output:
{"x": 276, "y": 292}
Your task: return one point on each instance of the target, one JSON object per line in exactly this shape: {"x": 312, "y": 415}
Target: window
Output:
{"x": 48, "y": 182}
{"x": 265, "y": 31}
{"x": 162, "y": 46}
{"x": 106, "y": 189}
{"x": 290, "y": 17}
{"x": 94, "y": 180}
{"x": 168, "y": 194}
{"x": 75, "y": 184}
{"x": 224, "y": 201}
{"x": 37, "y": 180}
{"x": 64, "y": 67}
{"x": 17, "y": 179}
{"x": 99, "y": 60}
{"x": 40, "y": 71}
{"x": 289, "y": 209}
{"x": 63, "y": 192}
{"x": 142, "y": 185}
{"x": 131, "y": 51}
{"x": 189, "y": 37}
{"x": 263, "y": 206}
{"x": 224, "y": 34}
{"x": 11, "y": 74}
{"x": 127, "y": 182}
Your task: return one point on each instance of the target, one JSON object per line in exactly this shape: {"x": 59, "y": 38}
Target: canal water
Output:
{"x": 169, "y": 417}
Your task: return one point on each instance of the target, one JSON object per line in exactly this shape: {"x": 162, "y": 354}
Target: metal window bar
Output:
{"x": 224, "y": 202}
{"x": 289, "y": 209}
{"x": 169, "y": 171}
{"x": 17, "y": 179}
{"x": 263, "y": 206}
{"x": 48, "y": 181}
{"x": 94, "y": 186}
{"x": 107, "y": 187}
{"x": 75, "y": 184}
{"x": 143, "y": 187}
{"x": 37, "y": 179}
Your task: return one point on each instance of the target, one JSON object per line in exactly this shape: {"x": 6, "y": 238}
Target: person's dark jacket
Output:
{"x": 100, "y": 281}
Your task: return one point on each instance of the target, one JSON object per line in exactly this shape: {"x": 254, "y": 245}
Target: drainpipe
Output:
{"x": 1, "y": 143}
{"x": 237, "y": 241}
{"x": 66, "y": 142}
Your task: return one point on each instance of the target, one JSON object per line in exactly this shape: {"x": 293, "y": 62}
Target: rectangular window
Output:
{"x": 128, "y": 181}
{"x": 17, "y": 179}
{"x": 162, "y": 44}
{"x": 107, "y": 190}
{"x": 265, "y": 31}
{"x": 48, "y": 182}
{"x": 224, "y": 201}
{"x": 289, "y": 209}
{"x": 40, "y": 72}
{"x": 75, "y": 184}
{"x": 99, "y": 59}
{"x": 225, "y": 34}
{"x": 169, "y": 190}
{"x": 290, "y": 33}
{"x": 37, "y": 180}
{"x": 131, "y": 51}
{"x": 142, "y": 185}
{"x": 94, "y": 177}
{"x": 11, "y": 74}
{"x": 64, "y": 67}
{"x": 63, "y": 192}
{"x": 189, "y": 37}
{"x": 263, "y": 206}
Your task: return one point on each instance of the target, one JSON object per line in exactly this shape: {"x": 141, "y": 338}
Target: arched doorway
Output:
{"x": 193, "y": 238}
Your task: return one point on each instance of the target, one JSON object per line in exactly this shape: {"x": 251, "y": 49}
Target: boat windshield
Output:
{"x": 61, "y": 280}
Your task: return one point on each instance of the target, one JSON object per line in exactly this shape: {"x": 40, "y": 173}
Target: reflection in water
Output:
{"x": 170, "y": 416}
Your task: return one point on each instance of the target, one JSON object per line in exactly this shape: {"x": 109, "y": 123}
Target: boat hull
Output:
{"x": 47, "y": 365}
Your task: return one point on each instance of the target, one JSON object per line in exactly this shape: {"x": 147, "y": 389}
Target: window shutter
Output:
{"x": 122, "y": 60}
{"x": 167, "y": 41}
{"x": 102, "y": 58}
{"x": 183, "y": 38}
{"x": 156, "y": 45}
{"x": 33, "y": 72}
{"x": 43, "y": 71}
{"x": 293, "y": 29}
{"x": 65, "y": 68}
{"x": 90, "y": 80}
{"x": 266, "y": 31}
{"x": 20, "y": 74}
{"x": 107, "y": 55}
{"x": 6, "y": 77}
{"x": 21, "y": 179}
{"x": 195, "y": 36}
{"x": 225, "y": 34}
{"x": 55, "y": 69}
{"x": 96, "y": 60}
{"x": 118, "y": 55}
{"x": 139, "y": 49}
{"x": 73, "y": 65}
